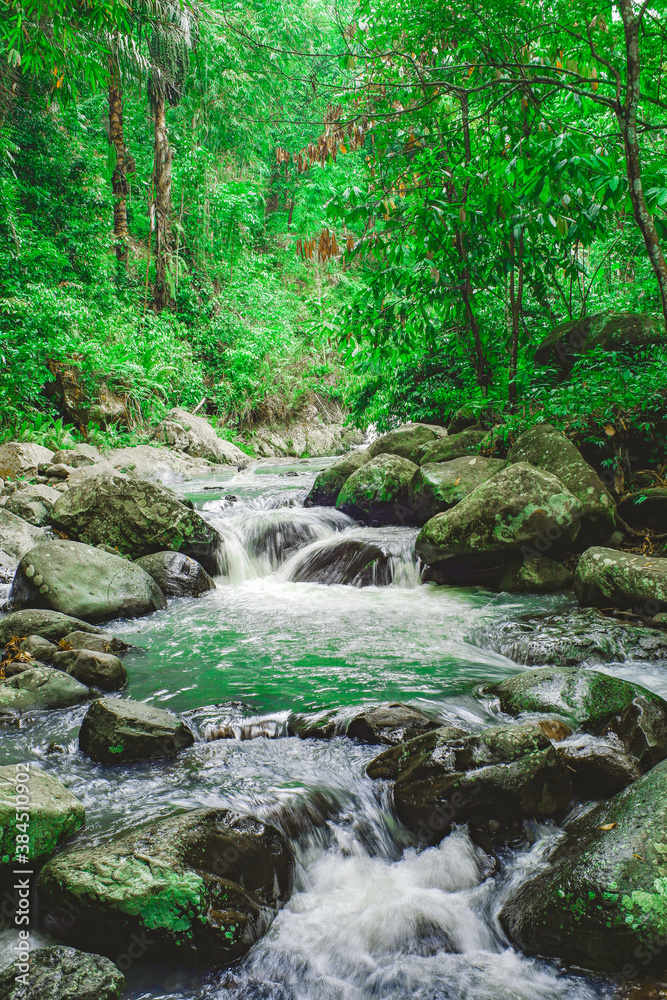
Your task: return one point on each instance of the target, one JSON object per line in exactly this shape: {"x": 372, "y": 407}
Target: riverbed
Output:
{"x": 371, "y": 918}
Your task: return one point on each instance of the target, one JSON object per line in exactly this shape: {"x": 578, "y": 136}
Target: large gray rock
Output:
{"x": 354, "y": 562}
{"x": 17, "y": 536}
{"x": 599, "y": 902}
{"x": 40, "y": 688}
{"x": 136, "y": 517}
{"x": 115, "y": 731}
{"x": 199, "y": 887}
{"x": 521, "y": 511}
{"x": 378, "y": 492}
{"x": 612, "y": 331}
{"x": 91, "y": 584}
{"x": 176, "y": 574}
{"x": 101, "y": 670}
{"x": 438, "y": 486}
{"x": 607, "y": 578}
{"x": 409, "y": 441}
{"x": 600, "y": 767}
{"x": 81, "y": 455}
{"x": 162, "y": 464}
{"x": 593, "y": 701}
{"x": 389, "y": 724}
{"x": 453, "y": 446}
{"x": 60, "y": 973}
{"x": 503, "y": 775}
{"x": 549, "y": 449}
{"x": 539, "y": 575}
{"x": 194, "y": 435}
{"x": 20, "y": 461}
{"x": 328, "y": 484}
{"x": 33, "y": 503}
{"x": 51, "y": 625}
{"x": 54, "y": 813}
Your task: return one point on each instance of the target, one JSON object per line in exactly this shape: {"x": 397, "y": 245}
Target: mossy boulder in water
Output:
{"x": 438, "y": 486}
{"x": 54, "y": 812}
{"x": 354, "y": 562}
{"x": 115, "y": 731}
{"x": 176, "y": 574}
{"x": 454, "y": 446}
{"x": 51, "y": 625}
{"x": 592, "y": 701}
{"x": 520, "y": 511}
{"x": 83, "y": 581}
{"x": 600, "y": 767}
{"x": 378, "y": 492}
{"x": 409, "y": 441}
{"x": 547, "y": 448}
{"x": 606, "y": 578}
{"x": 100, "y": 670}
{"x": 328, "y": 484}
{"x": 135, "y": 517}
{"x": 40, "y": 688}
{"x": 60, "y": 973}
{"x": 539, "y": 575}
{"x": 503, "y": 775}
{"x": 601, "y": 901}
{"x": 199, "y": 887}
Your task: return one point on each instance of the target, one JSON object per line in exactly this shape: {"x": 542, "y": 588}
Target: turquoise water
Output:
{"x": 259, "y": 647}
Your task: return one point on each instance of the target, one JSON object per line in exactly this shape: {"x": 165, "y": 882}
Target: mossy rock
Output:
{"x": 54, "y": 814}
{"x": 613, "y": 331}
{"x": 600, "y": 902}
{"x": 87, "y": 582}
{"x": 40, "y": 688}
{"x": 607, "y": 578}
{"x": 176, "y": 574}
{"x": 118, "y": 730}
{"x": 135, "y": 517}
{"x": 454, "y": 446}
{"x": 409, "y": 441}
{"x": 51, "y": 625}
{"x": 547, "y": 448}
{"x": 593, "y": 701}
{"x": 378, "y": 492}
{"x": 328, "y": 484}
{"x": 93, "y": 668}
{"x": 60, "y": 973}
{"x": 520, "y": 512}
{"x": 502, "y": 776}
{"x": 353, "y": 562}
{"x": 438, "y": 486}
{"x": 540, "y": 575}
{"x": 200, "y": 887}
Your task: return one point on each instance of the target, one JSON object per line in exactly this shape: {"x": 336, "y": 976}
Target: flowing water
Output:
{"x": 371, "y": 918}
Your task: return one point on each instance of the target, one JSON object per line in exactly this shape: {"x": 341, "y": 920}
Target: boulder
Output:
{"x": 60, "y": 973}
{"x": 39, "y": 649}
{"x": 547, "y": 448}
{"x": 163, "y": 464}
{"x": 595, "y": 702}
{"x": 453, "y": 446}
{"x": 176, "y": 574}
{"x": 536, "y": 576}
{"x": 33, "y": 503}
{"x": 599, "y": 902}
{"x": 115, "y": 731}
{"x": 100, "y": 670}
{"x": 194, "y": 435}
{"x": 200, "y": 887}
{"x": 600, "y": 767}
{"x": 501, "y": 776}
{"x": 94, "y": 585}
{"x": 51, "y": 625}
{"x": 386, "y": 765}
{"x": 136, "y": 517}
{"x": 40, "y": 688}
{"x": 645, "y": 509}
{"x": 17, "y": 536}
{"x": 409, "y": 441}
{"x": 354, "y": 562}
{"x": 82, "y": 455}
{"x": 607, "y": 578}
{"x": 463, "y": 418}
{"x": 328, "y": 484}
{"x": 21, "y": 461}
{"x": 389, "y": 724}
{"x": 377, "y": 493}
{"x": 521, "y": 511}
{"x": 613, "y": 331}
{"x": 54, "y": 813}
{"x": 570, "y": 639}
{"x": 438, "y": 486}
{"x": 102, "y": 643}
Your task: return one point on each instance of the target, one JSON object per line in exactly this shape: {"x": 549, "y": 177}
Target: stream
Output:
{"x": 370, "y": 918}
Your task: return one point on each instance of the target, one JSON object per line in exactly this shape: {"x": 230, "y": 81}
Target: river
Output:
{"x": 370, "y": 918}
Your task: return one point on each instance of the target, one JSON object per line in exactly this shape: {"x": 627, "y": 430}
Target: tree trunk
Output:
{"x": 163, "y": 295}
{"x": 119, "y": 178}
{"x": 516, "y": 305}
{"x": 626, "y": 114}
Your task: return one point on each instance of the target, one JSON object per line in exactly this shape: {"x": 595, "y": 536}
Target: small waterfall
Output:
{"x": 360, "y": 558}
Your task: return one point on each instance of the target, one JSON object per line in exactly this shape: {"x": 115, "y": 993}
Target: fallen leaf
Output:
{"x": 607, "y": 826}
{"x": 457, "y": 481}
